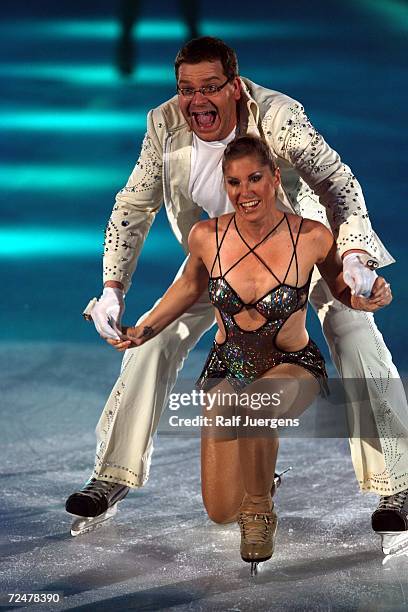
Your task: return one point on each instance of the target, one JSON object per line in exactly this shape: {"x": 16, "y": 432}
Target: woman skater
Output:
{"x": 257, "y": 263}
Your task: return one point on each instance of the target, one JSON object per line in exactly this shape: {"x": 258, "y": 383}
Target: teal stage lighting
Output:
{"x": 37, "y": 242}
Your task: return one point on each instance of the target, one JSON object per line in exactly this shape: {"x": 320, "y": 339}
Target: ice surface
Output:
{"x": 161, "y": 551}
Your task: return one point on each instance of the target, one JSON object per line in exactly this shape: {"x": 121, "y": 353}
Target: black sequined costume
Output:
{"x": 245, "y": 355}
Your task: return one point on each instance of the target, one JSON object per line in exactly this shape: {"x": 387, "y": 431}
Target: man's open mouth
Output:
{"x": 204, "y": 119}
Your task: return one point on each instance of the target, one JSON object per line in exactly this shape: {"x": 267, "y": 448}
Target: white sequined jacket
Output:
{"x": 315, "y": 182}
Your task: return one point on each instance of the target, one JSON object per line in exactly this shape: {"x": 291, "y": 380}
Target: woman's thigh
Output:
{"x": 291, "y": 387}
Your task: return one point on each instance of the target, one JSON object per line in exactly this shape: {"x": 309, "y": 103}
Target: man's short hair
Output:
{"x": 208, "y": 49}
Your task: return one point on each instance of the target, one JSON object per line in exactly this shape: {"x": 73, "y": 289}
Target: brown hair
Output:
{"x": 249, "y": 145}
{"x": 208, "y": 49}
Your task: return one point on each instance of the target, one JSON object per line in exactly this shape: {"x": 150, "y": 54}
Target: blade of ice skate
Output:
{"x": 83, "y": 524}
{"x": 392, "y": 542}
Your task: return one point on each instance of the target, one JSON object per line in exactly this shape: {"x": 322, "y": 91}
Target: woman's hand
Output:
{"x": 380, "y": 296}
{"x": 132, "y": 337}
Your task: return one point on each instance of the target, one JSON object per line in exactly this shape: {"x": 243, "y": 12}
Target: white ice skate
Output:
{"x": 85, "y": 524}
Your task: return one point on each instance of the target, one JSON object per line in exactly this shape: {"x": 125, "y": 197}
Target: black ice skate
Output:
{"x": 95, "y": 503}
{"x": 390, "y": 521}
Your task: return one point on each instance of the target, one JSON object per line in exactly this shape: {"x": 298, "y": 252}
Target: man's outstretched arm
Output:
{"x": 179, "y": 297}
{"x": 134, "y": 211}
{"x": 295, "y": 139}
{"x": 298, "y": 142}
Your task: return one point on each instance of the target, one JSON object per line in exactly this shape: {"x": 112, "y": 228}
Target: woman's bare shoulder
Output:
{"x": 309, "y": 227}
{"x": 200, "y": 233}
{"x": 318, "y": 232}
{"x": 223, "y": 221}
{"x": 317, "y": 236}
{"x": 203, "y": 227}
{"x": 209, "y": 226}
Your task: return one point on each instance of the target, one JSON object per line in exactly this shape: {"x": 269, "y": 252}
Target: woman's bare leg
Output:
{"x": 237, "y": 469}
{"x": 258, "y": 445}
{"x": 221, "y": 483}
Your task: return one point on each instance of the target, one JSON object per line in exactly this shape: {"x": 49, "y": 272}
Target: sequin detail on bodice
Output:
{"x": 280, "y": 302}
{"x": 249, "y": 352}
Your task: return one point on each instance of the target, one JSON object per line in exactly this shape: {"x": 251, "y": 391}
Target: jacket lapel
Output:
{"x": 181, "y": 210}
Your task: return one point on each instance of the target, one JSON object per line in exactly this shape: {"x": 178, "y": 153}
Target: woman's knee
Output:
{"x": 220, "y": 515}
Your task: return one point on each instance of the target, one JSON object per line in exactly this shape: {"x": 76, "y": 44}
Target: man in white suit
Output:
{"x": 180, "y": 165}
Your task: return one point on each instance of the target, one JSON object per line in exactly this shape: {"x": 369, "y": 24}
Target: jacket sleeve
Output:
{"x": 135, "y": 208}
{"x": 298, "y": 142}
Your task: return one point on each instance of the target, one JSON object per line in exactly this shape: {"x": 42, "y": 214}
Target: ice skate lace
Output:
{"x": 393, "y": 502}
{"x": 98, "y": 489}
{"x": 255, "y": 527}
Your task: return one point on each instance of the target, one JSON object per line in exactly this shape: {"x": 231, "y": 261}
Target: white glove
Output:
{"x": 107, "y": 313}
{"x": 357, "y": 275}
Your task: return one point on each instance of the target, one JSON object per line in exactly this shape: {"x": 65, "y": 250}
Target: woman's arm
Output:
{"x": 331, "y": 268}
{"x": 182, "y": 294}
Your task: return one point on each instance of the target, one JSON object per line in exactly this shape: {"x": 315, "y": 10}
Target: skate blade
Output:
{"x": 399, "y": 553}
{"x": 85, "y": 524}
{"x": 278, "y": 477}
{"x": 256, "y": 567}
{"x": 393, "y": 541}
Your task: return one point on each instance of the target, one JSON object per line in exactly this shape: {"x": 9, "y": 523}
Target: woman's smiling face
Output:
{"x": 251, "y": 187}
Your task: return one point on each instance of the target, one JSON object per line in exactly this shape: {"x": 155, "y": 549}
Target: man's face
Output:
{"x": 210, "y": 117}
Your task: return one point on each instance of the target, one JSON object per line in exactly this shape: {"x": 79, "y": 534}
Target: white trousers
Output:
{"x": 132, "y": 413}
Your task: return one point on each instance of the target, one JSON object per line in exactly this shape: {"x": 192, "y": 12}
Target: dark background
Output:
{"x": 72, "y": 128}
